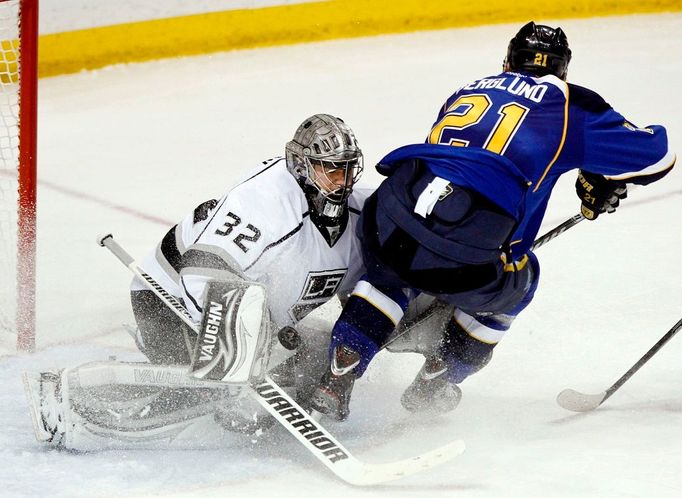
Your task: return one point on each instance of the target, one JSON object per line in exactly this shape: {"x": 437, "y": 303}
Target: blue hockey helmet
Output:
{"x": 539, "y": 50}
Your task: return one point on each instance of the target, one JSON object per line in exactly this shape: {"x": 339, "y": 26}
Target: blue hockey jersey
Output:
{"x": 457, "y": 216}
{"x": 545, "y": 127}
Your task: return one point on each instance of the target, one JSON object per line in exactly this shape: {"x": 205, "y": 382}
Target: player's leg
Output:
{"x": 365, "y": 323}
{"x": 467, "y": 345}
{"x": 311, "y": 359}
{"x": 160, "y": 335}
{"x": 421, "y": 331}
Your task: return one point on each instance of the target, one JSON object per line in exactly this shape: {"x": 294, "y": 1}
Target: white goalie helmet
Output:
{"x": 325, "y": 159}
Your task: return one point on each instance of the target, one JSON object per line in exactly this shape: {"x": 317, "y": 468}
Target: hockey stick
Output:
{"x": 569, "y": 223}
{"x": 295, "y": 419}
{"x": 152, "y": 284}
{"x": 580, "y": 402}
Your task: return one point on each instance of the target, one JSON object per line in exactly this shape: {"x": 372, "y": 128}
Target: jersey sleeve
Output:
{"x": 614, "y": 147}
{"x": 165, "y": 261}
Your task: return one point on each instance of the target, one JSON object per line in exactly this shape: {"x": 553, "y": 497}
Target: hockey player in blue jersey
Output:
{"x": 456, "y": 217}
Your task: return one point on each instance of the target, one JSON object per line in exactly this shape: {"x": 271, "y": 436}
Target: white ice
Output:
{"x": 131, "y": 149}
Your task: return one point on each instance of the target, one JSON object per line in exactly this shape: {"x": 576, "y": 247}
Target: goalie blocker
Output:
{"x": 234, "y": 341}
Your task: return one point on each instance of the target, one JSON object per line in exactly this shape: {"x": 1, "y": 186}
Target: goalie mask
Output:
{"x": 539, "y": 50}
{"x": 325, "y": 159}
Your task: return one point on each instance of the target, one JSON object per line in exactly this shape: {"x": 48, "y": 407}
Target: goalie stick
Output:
{"x": 295, "y": 419}
{"x": 152, "y": 284}
{"x": 573, "y": 400}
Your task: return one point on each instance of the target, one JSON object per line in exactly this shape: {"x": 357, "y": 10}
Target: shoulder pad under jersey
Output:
{"x": 587, "y": 99}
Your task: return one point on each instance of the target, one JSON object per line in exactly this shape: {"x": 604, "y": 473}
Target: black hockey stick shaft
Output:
{"x": 573, "y": 400}
{"x": 555, "y": 232}
{"x": 640, "y": 363}
{"x": 569, "y": 223}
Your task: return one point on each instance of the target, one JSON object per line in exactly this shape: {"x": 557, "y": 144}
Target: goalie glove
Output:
{"x": 234, "y": 339}
{"x": 598, "y": 194}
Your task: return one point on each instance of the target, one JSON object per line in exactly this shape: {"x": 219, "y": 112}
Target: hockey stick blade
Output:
{"x": 367, "y": 474}
{"x": 575, "y": 401}
{"x": 579, "y": 402}
{"x": 304, "y": 427}
{"x": 295, "y": 419}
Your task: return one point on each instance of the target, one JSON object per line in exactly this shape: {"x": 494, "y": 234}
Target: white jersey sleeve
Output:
{"x": 164, "y": 263}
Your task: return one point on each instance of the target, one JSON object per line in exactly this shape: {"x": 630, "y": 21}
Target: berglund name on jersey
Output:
{"x": 516, "y": 86}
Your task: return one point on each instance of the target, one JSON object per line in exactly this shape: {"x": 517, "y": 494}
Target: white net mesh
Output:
{"x": 9, "y": 152}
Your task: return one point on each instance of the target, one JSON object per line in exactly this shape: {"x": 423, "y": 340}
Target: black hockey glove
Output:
{"x": 598, "y": 194}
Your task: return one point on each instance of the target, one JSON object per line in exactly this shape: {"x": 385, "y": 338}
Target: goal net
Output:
{"x": 18, "y": 85}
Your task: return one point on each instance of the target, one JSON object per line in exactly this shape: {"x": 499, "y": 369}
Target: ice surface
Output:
{"x": 130, "y": 149}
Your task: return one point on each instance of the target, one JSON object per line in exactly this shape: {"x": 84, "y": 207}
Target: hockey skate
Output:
{"x": 431, "y": 391}
{"x": 44, "y": 391}
{"x": 332, "y": 396}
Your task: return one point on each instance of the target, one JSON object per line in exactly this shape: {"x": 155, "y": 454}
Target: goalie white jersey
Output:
{"x": 263, "y": 231}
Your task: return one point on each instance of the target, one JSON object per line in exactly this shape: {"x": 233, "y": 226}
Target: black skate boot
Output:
{"x": 332, "y": 395}
{"x": 431, "y": 390}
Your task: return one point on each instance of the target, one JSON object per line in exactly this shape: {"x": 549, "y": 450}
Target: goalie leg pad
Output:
{"x": 110, "y": 405}
{"x": 235, "y": 336}
{"x": 160, "y": 331}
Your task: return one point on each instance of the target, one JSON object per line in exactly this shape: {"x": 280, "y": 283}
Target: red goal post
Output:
{"x": 18, "y": 138}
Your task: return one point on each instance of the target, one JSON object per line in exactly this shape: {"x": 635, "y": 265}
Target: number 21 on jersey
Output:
{"x": 469, "y": 110}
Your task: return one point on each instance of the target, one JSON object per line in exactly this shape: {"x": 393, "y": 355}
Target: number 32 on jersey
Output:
{"x": 246, "y": 234}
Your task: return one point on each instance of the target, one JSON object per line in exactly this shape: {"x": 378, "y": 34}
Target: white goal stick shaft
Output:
{"x": 175, "y": 305}
{"x": 295, "y": 419}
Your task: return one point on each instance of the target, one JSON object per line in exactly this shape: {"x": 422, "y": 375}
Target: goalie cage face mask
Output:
{"x": 325, "y": 159}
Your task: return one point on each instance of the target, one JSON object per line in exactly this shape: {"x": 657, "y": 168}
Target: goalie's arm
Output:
{"x": 201, "y": 264}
